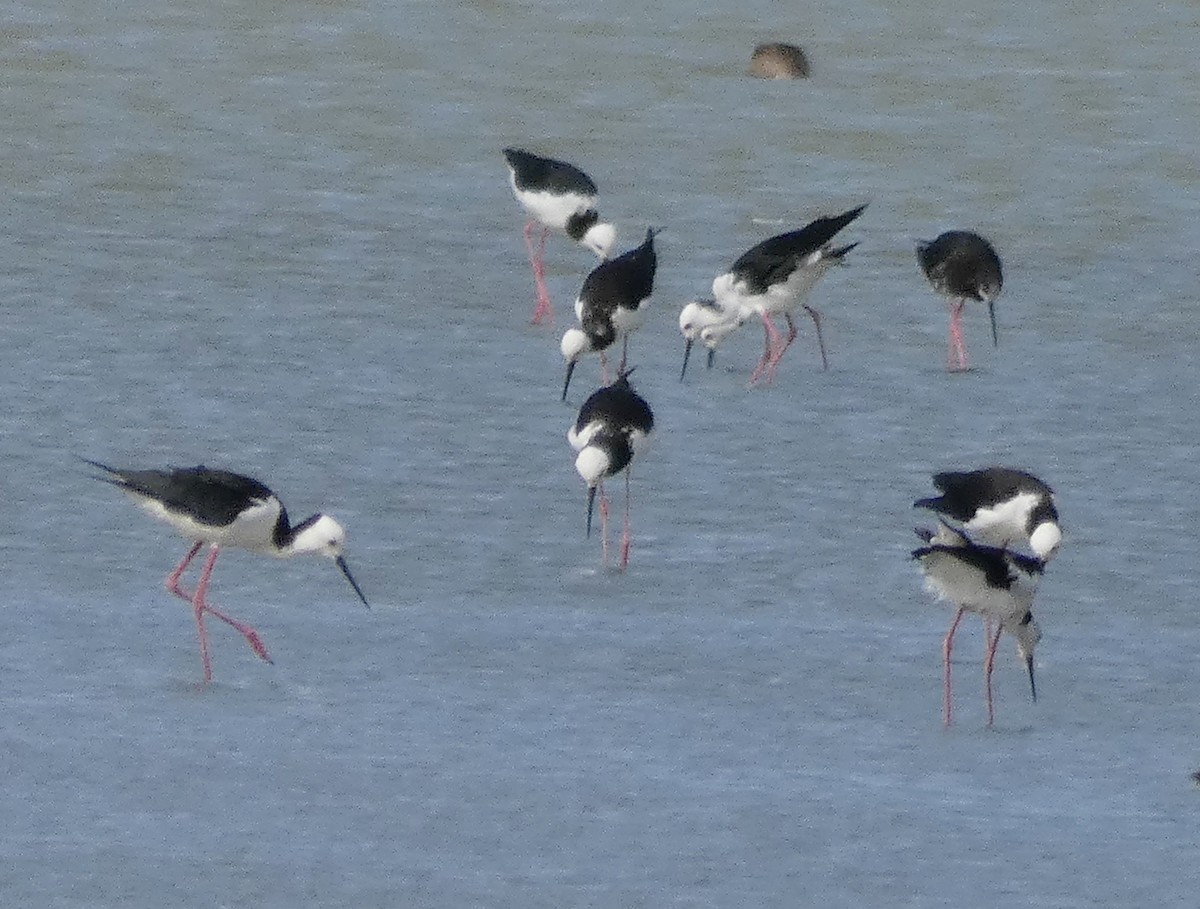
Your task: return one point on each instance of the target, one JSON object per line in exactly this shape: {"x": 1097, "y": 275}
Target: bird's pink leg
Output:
{"x": 604, "y": 525}
{"x": 947, "y": 646}
{"x": 956, "y": 351}
{"x": 604, "y": 368}
{"x": 543, "y": 310}
{"x": 625, "y": 533}
{"x": 200, "y": 606}
{"x": 172, "y": 581}
{"x": 770, "y": 342}
{"x": 791, "y": 336}
{"x": 988, "y": 665}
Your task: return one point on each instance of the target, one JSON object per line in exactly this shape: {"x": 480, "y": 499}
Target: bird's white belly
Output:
{"x": 554, "y": 211}
{"x": 253, "y": 529}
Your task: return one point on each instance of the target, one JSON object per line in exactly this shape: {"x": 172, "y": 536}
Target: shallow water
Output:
{"x": 278, "y": 237}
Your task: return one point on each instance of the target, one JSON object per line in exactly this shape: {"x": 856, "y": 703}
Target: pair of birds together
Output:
{"x": 969, "y": 560}
{"x": 772, "y": 278}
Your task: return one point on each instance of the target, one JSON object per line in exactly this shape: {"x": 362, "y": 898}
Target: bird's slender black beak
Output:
{"x": 992, "y": 313}
{"x": 712, "y": 355}
{"x": 591, "y": 502}
{"x": 341, "y": 563}
{"x": 567, "y": 380}
{"x": 1029, "y": 669}
{"x": 687, "y": 352}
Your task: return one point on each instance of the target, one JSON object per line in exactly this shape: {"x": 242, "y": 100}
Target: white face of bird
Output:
{"x": 689, "y": 321}
{"x": 324, "y": 536}
{"x": 600, "y": 239}
{"x": 574, "y": 344}
{"x": 1045, "y": 540}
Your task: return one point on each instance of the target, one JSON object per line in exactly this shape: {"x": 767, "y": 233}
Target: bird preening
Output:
{"x": 222, "y": 508}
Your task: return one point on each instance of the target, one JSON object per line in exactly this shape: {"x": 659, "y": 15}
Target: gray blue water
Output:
{"x": 278, "y": 237}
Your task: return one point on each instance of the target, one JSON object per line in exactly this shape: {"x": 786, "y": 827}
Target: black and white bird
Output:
{"x": 992, "y": 582}
{"x": 999, "y": 506}
{"x": 709, "y": 322}
{"x": 221, "y": 508}
{"x": 558, "y": 196}
{"x": 775, "y": 277}
{"x": 962, "y": 266}
{"x": 609, "y": 306}
{"x": 614, "y": 425}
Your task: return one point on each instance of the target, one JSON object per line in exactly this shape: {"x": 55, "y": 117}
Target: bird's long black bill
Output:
{"x": 992, "y": 313}
{"x": 687, "y": 352}
{"x": 712, "y": 355}
{"x": 341, "y": 563}
{"x": 591, "y": 502}
{"x": 1032, "y": 685}
{"x": 567, "y": 380}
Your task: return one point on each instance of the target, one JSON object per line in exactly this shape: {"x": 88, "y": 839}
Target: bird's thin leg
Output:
{"x": 172, "y": 581}
{"x": 625, "y": 533}
{"x": 947, "y": 647}
{"x": 604, "y": 524}
{"x": 956, "y": 352}
{"x": 816, "y": 317}
{"x": 624, "y": 354}
{"x": 200, "y": 606}
{"x": 988, "y": 665}
{"x": 543, "y": 309}
{"x": 791, "y": 336}
{"x": 604, "y": 368}
{"x": 770, "y": 342}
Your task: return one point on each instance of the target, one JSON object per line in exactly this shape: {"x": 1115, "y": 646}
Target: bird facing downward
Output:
{"x": 992, "y": 582}
{"x": 710, "y": 323}
{"x": 613, "y": 425}
{"x": 221, "y": 508}
{"x": 775, "y": 277}
{"x": 961, "y": 266}
{"x": 609, "y": 306}
{"x": 561, "y": 197}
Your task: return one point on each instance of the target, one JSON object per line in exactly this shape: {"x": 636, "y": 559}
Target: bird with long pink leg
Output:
{"x": 614, "y": 425}
{"x": 961, "y": 266}
{"x": 557, "y": 196}
{"x": 775, "y": 278}
{"x": 224, "y": 509}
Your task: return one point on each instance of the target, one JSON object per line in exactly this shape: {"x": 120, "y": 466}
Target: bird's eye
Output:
{"x": 1027, "y": 618}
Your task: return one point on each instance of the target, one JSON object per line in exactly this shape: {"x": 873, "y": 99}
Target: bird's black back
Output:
{"x": 994, "y": 563}
{"x": 772, "y": 260}
{"x": 618, "y": 407}
{"x": 624, "y": 281}
{"x": 533, "y": 172}
{"x": 964, "y": 492}
{"x": 212, "y": 497}
{"x": 962, "y": 264}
